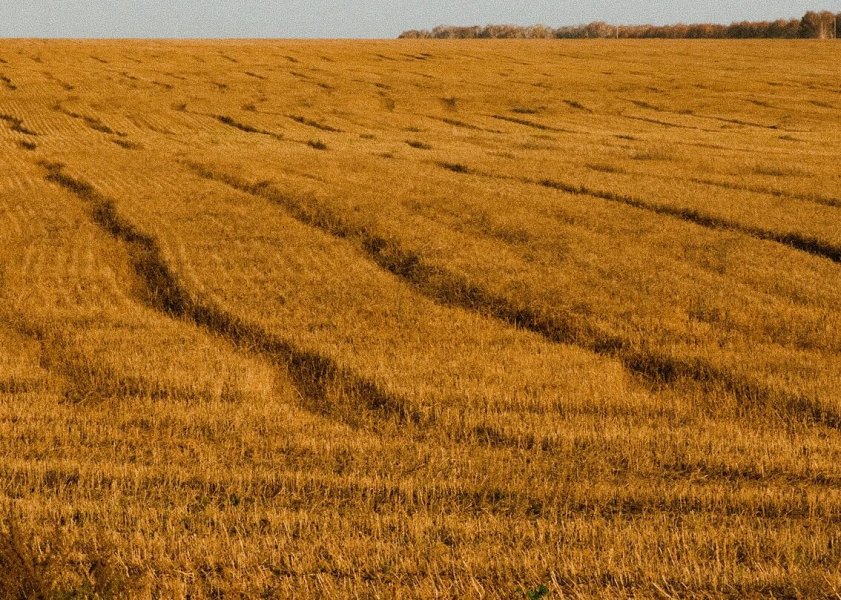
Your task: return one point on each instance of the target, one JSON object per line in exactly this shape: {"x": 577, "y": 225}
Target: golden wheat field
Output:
{"x": 476, "y": 319}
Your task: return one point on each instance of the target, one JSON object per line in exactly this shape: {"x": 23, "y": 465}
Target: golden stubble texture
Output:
{"x": 450, "y": 319}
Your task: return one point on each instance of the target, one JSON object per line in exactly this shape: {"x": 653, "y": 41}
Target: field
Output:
{"x": 420, "y": 319}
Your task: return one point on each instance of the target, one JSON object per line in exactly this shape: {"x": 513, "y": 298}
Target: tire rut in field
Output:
{"x": 79, "y": 384}
{"x": 64, "y": 85}
{"x": 796, "y": 241}
{"x": 462, "y": 124}
{"x": 231, "y": 122}
{"x": 666, "y": 123}
{"x": 741, "y": 122}
{"x": 532, "y": 124}
{"x": 691, "y": 114}
{"x": 821, "y": 200}
{"x": 67, "y": 383}
{"x": 58, "y": 380}
{"x": 68, "y": 387}
{"x": 93, "y": 123}
{"x": 815, "y": 199}
{"x": 793, "y": 240}
{"x": 450, "y": 289}
{"x": 314, "y": 124}
{"x": 313, "y": 374}
{"x": 16, "y": 124}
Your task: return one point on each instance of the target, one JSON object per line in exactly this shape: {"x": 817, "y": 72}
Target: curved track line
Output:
{"x": 313, "y": 374}
{"x": 803, "y": 243}
{"x": 797, "y": 241}
{"x": 450, "y": 289}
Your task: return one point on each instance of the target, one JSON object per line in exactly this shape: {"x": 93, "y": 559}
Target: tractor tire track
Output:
{"x": 822, "y": 200}
{"x": 665, "y": 123}
{"x": 53, "y": 379}
{"x": 16, "y": 124}
{"x": 231, "y": 122}
{"x": 50, "y": 377}
{"x": 314, "y": 124}
{"x": 462, "y": 124}
{"x": 8, "y": 83}
{"x": 658, "y": 109}
{"x": 93, "y": 123}
{"x": 808, "y": 244}
{"x": 796, "y": 241}
{"x": 450, "y": 289}
{"x": 532, "y": 124}
{"x": 316, "y": 377}
{"x": 815, "y": 199}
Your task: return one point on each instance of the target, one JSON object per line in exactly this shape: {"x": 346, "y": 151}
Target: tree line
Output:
{"x": 816, "y": 25}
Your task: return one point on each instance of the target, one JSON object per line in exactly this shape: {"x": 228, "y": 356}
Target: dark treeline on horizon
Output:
{"x": 813, "y": 25}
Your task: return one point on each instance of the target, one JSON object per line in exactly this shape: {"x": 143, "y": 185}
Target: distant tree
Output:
{"x": 600, "y": 29}
{"x": 539, "y": 32}
{"x": 503, "y": 31}
{"x": 414, "y": 34}
{"x": 449, "y": 32}
{"x": 813, "y": 25}
{"x": 818, "y": 25}
{"x": 782, "y": 28}
{"x": 705, "y": 31}
{"x": 810, "y": 25}
{"x": 569, "y": 32}
{"x": 828, "y": 24}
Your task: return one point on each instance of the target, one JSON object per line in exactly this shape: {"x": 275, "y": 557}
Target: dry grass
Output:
{"x": 525, "y": 313}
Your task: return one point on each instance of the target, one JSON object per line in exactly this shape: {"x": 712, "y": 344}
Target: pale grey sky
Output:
{"x": 365, "y": 18}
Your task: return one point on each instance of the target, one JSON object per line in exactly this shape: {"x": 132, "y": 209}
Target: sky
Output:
{"x": 357, "y": 19}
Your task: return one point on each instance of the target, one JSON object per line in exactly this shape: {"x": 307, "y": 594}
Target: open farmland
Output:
{"x": 420, "y": 319}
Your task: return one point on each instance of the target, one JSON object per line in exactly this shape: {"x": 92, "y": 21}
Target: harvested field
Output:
{"x": 420, "y": 319}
